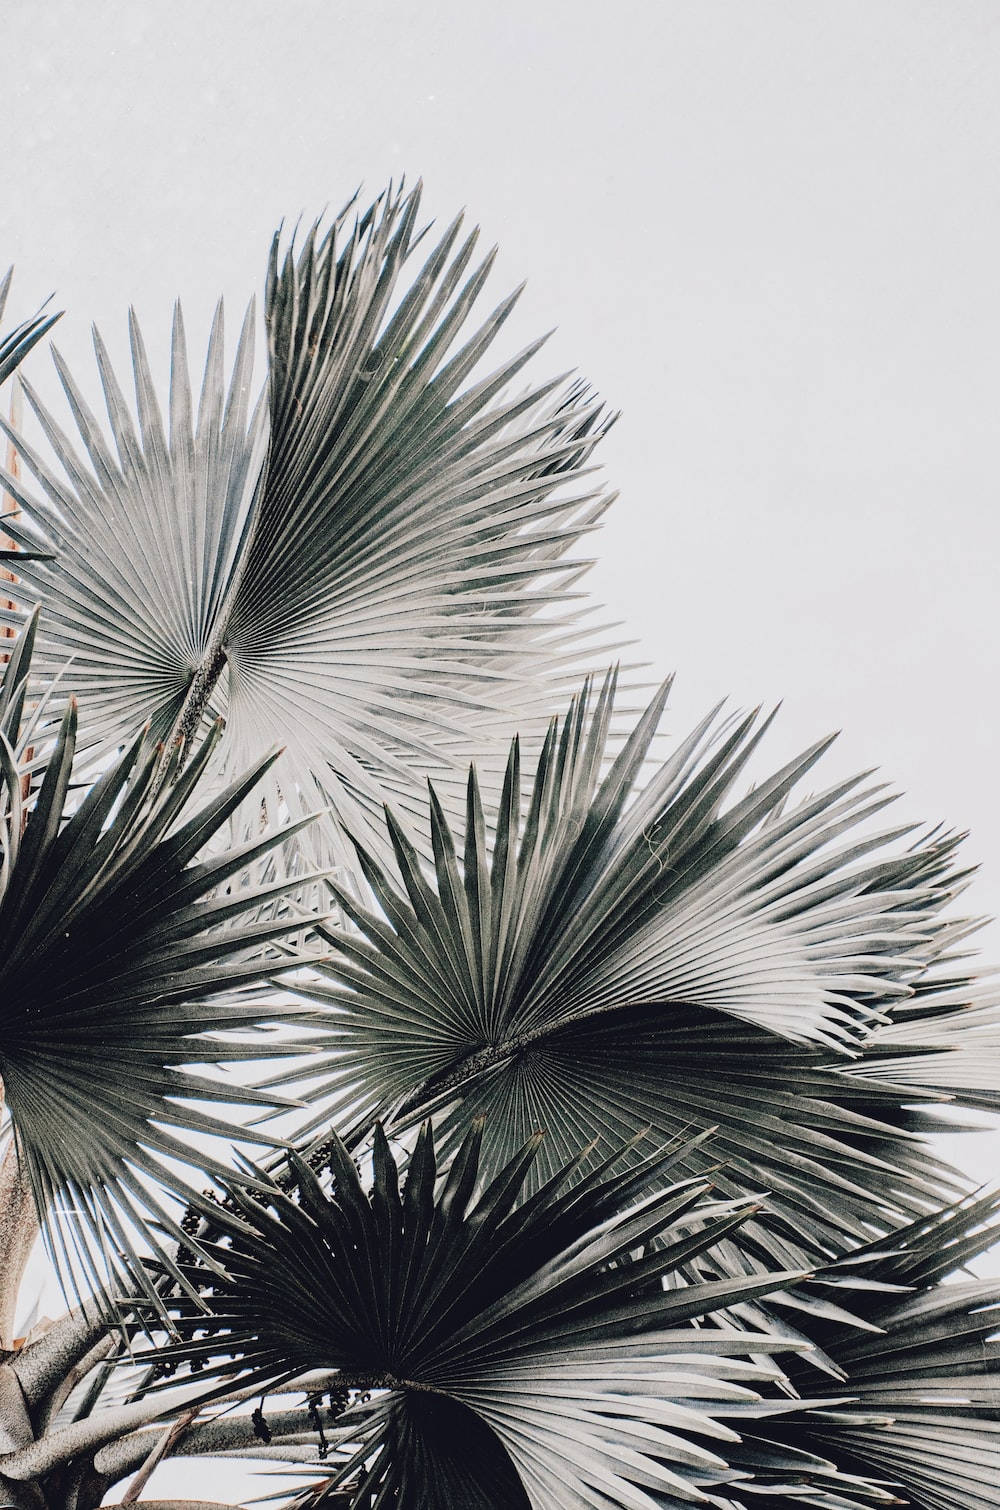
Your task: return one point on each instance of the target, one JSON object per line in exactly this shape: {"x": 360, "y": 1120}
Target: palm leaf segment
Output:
{"x": 520, "y": 1357}
{"x": 14, "y": 347}
{"x": 666, "y": 958}
{"x": 15, "y": 344}
{"x": 916, "y": 1415}
{"x": 122, "y": 960}
{"x": 362, "y": 567}
{"x": 945, "y": 1038}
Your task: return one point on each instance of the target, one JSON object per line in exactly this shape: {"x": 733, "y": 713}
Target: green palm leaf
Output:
{"x": 123, "y": 959}
{"x": 518, "y": 1355}
{"x": 673, "y": 957}
{"x": 363, "y": 566}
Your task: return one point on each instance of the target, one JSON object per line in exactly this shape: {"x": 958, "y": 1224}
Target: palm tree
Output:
{"x": 367, "y": 566}
{"x": 462, "y": 1104}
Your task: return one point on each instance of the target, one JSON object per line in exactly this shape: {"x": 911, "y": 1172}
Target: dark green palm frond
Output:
{"x": 383, "y": 585}
{"x": 673, "y": 957}
{"x": 123, "y": 960}
{"x": 526, "y": 1352}
{"x": 917, "y": 1405}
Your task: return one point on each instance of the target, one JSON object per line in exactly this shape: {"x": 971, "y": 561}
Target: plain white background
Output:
{"x": 766, "y": 230}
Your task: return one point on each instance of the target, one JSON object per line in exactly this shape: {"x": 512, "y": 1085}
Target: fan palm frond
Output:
{"x": 141, "y": 543}
{"x": 672, "y": 958}
{"x": 363, "y": 566}
{"x": 917, "y": 1413}
{"x": 515, "y": 1355}
{"x": 124, "y": 959}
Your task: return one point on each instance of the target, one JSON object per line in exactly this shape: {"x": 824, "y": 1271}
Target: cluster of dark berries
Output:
{"x": 339, "y": 1398}
{"x": 189, "y": 1224}
{"x": 313, "y": 1403}
{"x": 261, "y": 1430}
{"x": 162, "y": 1370}
{"x": 320, "y": 1157}
{"x": 225, "y": 1202}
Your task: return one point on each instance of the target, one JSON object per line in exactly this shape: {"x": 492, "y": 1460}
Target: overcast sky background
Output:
{"x": 766, "y": 230}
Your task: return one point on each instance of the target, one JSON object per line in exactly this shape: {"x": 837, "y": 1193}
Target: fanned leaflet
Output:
{"x": 16, "y": 343}
{"x": 945, "y": 1039}
{"x": 142, "y": 542}
{"x": 123, "y": 960}
{"x": 670, "y": 957}
{"x": 373, "y": 567}
{"x": 522, "y": 1355}
{"x": 915, "y": 1413}
{"x": 412, "y": 525}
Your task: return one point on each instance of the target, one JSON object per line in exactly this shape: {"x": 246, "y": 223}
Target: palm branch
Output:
{"x": 123, "y": 959}
{"x": 916, "y": 1414}
{"x": 374, "y": 563}
{"x": 363, "y": 566}
{"x": 515, "y": 1355}
{"x": 669, "y": 957}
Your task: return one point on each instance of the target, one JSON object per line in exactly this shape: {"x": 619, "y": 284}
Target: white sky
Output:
{"x": 767, "y": 230}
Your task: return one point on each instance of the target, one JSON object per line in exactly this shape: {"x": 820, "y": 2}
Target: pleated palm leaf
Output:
{"x": 944, "y": 1039}
{"x": 123, "y": 960}
{"x": 516, "y": 1355}
{"x": 917, "y": 1408}
{"x": 668, "y": 957}
{"x": 363, "y": 565}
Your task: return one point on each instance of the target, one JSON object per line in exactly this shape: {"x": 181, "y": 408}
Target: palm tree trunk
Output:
{"x": 181, "y": 1505}
{"x": 8, "y": 505}
{"x": 18, "y": 1220}
{"x": 18, "y": 1231}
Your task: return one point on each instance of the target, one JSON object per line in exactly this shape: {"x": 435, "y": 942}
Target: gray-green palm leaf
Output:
{"x": 125, "y": 960}
{"x": 16, "y": 343}
{"x": 669, "y": 957}
{"x": 520, "y": 1355}
{"x": 363, "y": 565}
{"x": 943, "y": 1039}
{"x": 915, "y": 1413}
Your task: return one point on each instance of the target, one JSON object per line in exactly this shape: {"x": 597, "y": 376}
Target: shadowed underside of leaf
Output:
{"x": 674, "y": 957}
{"x": 124, "y": 959}
{"x": 371, "y": 567}
{"x": 547, "y": 1323}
